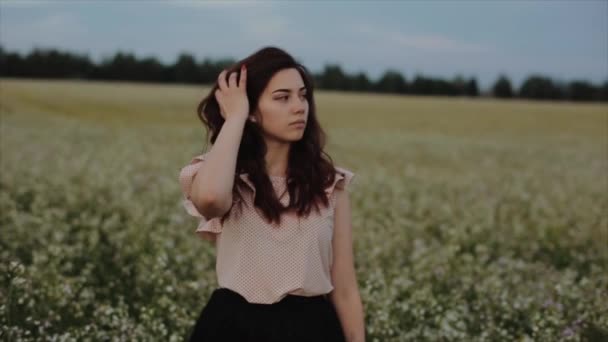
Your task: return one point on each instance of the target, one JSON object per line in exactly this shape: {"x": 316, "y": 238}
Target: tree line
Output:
{"x": 55, "y": 64}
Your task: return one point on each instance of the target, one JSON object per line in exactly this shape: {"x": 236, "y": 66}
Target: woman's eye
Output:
{"x": 282, "y": 98}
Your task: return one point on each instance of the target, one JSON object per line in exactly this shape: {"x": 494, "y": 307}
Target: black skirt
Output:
{"x": 228, "y": 316}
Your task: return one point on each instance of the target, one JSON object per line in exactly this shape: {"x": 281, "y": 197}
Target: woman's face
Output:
{"x": 281, "y": 104}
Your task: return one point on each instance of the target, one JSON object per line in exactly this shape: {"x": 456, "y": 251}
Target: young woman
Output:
{"x": 275, "y": 207}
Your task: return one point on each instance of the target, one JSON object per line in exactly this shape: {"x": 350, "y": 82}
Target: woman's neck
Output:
{"x": 277, "y": 156}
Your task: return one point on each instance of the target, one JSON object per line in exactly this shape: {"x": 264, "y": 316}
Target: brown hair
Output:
{"x": 310, "y": 170}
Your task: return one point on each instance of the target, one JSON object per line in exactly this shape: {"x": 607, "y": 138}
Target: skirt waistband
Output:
{"x": 288, "y": 299}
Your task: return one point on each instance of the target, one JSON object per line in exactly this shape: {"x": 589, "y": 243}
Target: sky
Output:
{"x": 564, "y": 40}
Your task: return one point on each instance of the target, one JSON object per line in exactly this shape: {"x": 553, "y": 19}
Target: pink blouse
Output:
{"x": 265, "y": 262}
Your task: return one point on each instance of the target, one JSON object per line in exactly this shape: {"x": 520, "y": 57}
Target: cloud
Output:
{"x": 425, "y": 42}
{"x": 265, "y": 26}
{"x": 57, "y": 29}
{"x": 258, "y": 21}
{"x": 23, "y": 3}
{"x": 194, "y": 4}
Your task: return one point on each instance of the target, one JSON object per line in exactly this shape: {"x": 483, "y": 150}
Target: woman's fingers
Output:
{"x": 230, "y": 95}
{"x": 232, "y": 80}
{"x": 221, "y": 80}
{"x": 220, "y": 100}
{"x": 243, "y": 78}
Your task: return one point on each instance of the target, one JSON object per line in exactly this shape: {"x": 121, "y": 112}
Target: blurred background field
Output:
{"x": 473, "y": 219}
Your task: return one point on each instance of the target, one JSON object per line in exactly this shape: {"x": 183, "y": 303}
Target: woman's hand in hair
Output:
{"x": 232, "y": 95}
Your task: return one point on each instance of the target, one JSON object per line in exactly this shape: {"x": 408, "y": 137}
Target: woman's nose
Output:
{"x": 300, "y": 105}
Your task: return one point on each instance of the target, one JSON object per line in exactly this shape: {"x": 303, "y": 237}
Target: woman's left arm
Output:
{"x": 345, "y": 296}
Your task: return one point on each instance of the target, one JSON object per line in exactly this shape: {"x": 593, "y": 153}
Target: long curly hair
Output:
{"x": 310, "y": 169}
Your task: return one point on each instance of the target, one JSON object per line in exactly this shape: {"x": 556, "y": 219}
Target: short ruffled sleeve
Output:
{"x": 207, "y": 229}
{"x": 344, "y": 177}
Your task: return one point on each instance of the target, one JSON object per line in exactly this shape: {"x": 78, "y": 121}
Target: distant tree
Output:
{"x": 185, "y": 69}
{"x": 120, "y": 67}
{"x": 208, "y": 71}
{"x": 459, "y": 86}
{"x": 443, "y": 87}
{"x": 333, "y": 77}
{"x": 539, "y": 87}
{"x": 11, "y": 64}
{"x": 421, "y": 85}
{"x": 52, "y": 63}
{"x": 151, "y": 70}
{"x": 361, "y": 82}
{"x": 502, "y": 88}
{"x": 391, "y": 82}
{"x": 602, "y": 92}
{"x": 472, "y": 89}
{"x": 581, "y": 91}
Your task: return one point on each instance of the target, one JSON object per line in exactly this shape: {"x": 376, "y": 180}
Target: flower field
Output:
{"x": 473, "y": 220}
